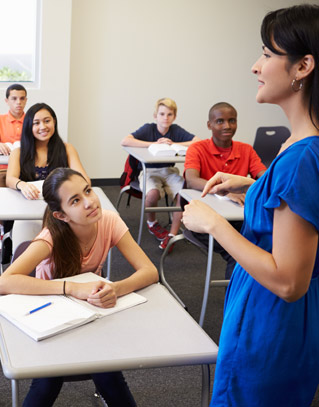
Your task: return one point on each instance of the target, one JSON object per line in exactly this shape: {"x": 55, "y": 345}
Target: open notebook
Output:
{"x": 63, "y": 314}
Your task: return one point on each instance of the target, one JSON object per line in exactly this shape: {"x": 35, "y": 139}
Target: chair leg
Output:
{"x": 98, "y": 396}
{"x": 120, "y": 196}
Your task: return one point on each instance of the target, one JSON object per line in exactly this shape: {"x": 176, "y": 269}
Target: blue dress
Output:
{"x": 269, "y": 349}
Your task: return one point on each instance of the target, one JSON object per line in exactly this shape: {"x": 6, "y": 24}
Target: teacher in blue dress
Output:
{"x": 269, "y": 344}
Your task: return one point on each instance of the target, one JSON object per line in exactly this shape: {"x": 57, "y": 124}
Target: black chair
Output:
{"x": 268, "y": 142}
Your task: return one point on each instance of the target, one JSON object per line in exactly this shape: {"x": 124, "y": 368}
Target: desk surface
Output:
{"x": 4, "y": 159}
{"x": 14, "y": 206}
{"x": 226, "y": 208}
{"x": 158, "y": 333}
{"x": 143, "y": 155}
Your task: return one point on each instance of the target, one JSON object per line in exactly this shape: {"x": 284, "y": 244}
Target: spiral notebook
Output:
{"x": 58, "y": 313}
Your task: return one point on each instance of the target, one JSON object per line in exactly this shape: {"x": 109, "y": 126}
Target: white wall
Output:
{"x": 103, "y": 73}
{"x": 53, "y": 87}
{"x": 126, "y": 54}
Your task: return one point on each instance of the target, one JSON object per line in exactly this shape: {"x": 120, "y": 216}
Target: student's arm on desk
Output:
{"x": 131, "y": 141}
{"x": 4, "y": 149}
{"x": 16, "y": 279}
{"x": 145, "y": 272}
{"x": 188, "y": 143}
{"x": 193, "y": 179}
{"x": 29, "y": 191}
{"x": 75, "y": 162}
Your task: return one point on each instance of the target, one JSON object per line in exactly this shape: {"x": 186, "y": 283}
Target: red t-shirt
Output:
{"x": 205, "y": 157}
{"x": 10, "y": 130}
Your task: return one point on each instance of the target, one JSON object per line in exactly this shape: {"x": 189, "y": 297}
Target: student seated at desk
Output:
{"x": 76, "y": 238}
{"x": 11, "y": 122}
{"x": 220, "y": 153}
{"x": 10, "y": 132}
{"x": 161, "y": 178}
{"x": 41, "y": 151}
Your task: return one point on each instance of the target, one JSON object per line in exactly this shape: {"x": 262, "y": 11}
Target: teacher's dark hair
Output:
{"x": 57, "y": 156}
{"x": 66, "y": 253}
{"x": 296, "y": 31}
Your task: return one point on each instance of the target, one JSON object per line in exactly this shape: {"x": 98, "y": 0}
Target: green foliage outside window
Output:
{"x": 8, "y": 75}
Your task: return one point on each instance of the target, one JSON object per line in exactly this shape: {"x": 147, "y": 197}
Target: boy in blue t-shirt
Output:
{"x": 161, "y": 178}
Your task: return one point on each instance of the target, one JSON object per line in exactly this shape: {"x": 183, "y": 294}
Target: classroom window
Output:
{"x": 19, "y": 45}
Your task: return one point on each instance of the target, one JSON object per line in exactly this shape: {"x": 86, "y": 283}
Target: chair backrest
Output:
{"x": 268, "y": 141}
{"x": 19, "y": 250}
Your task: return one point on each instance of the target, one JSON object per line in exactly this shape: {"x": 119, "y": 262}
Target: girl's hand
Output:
{"x": 222, "y": 183}
{"x": 104, "y": 297}
{"x": 4, "y": 149}
{"x": 199, "y": 217}
{"x": 29, "y": 191}
{"x": 99, "y": 293}
{"x": 164, "y": 140}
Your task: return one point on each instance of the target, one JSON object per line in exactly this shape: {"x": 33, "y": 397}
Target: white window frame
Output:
{"x": 35, "y": 83}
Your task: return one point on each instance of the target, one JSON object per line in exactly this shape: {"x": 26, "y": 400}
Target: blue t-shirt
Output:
{"x": 269, "y": 349}
{"x": 149, "y": 132}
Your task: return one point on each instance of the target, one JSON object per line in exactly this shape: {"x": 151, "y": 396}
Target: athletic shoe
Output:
{"x": 157, "y": 230}
{"x": 164, "y": 243}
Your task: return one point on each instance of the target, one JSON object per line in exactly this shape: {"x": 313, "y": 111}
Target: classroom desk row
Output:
{"x": 121, "y": 341}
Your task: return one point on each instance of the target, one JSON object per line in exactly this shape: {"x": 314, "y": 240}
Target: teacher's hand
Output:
{"x": 222, "y": 184}
{"x": 199, "y": 217}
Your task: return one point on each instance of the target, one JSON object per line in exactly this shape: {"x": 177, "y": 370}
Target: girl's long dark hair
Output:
{"x": 296, "y": 31}
{"x": 57, "y": 156}
{"x": 66, "y": 253}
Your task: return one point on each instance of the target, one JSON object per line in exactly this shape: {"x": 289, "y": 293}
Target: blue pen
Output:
{"x": 37, "y": 309}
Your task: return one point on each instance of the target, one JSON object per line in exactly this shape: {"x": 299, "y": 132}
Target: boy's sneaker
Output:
{"x": 164, "y": 243}
{"x": 157, "y": 230}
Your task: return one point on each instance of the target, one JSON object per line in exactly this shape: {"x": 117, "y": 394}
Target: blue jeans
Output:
{"x": 111, "y": 386}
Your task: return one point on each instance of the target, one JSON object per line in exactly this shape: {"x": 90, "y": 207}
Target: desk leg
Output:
{"x": 142, "y": 206}
{"x": 205, "y": 385}
{"x": 207, "y": 281}
{"x": 15, "y": 392}
{"x": 109, "y": 261}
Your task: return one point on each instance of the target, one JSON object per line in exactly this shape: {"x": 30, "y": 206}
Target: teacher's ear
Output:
{"x": 305, "y": 66}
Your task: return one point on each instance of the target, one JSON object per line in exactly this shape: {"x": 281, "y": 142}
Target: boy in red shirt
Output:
{"x": 221, "y": 153}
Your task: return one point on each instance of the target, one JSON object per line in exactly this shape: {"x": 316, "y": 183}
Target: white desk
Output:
{"x": 158, "y": 333}
{"x": 230, "y": 211}
{"x": 14, "y": 206}
{"x": 145, "y": 157}
{"x": 4, "y": 159}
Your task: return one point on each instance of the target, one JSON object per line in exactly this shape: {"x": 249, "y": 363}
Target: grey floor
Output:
{"x": 185, "y": 271}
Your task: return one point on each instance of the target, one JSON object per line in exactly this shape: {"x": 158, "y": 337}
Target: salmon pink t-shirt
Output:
{"x": 111, "y": 229}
